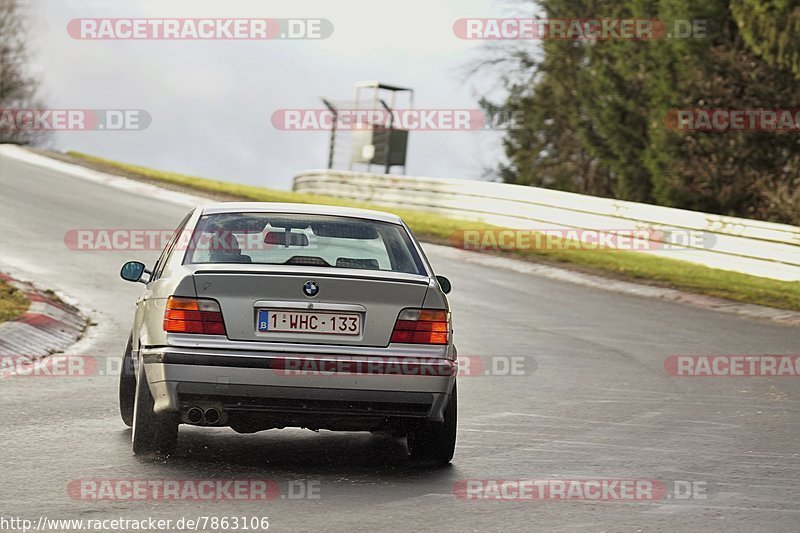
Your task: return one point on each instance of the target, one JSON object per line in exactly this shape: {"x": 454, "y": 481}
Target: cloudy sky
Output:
{"x": 211, "y": 102}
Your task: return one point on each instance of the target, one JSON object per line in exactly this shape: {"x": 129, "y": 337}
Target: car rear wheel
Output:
{"x": 127, "y": 386}
{"x": 433, "y": 443}
{"x": 152, "y": 432}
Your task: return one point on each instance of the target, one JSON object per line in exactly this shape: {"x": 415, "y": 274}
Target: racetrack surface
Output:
{"x": 594, "y": 402}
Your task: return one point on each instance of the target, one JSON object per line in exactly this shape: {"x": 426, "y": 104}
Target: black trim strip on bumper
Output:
{"x": 377, "y": 365}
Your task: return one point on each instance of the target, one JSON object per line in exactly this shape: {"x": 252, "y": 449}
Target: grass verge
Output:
{"x": 438, "y": 229}
{"x": 12, "y": 302}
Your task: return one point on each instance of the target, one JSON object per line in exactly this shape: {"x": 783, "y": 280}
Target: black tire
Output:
{"x": 152, "y": 433}
{"x": 434, "y": 443}
{"x": 127, "y": 386}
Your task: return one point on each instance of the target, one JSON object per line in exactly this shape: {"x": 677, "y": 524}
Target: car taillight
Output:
{"x": 193, "y": 315}
{"x": 422, "y": 326}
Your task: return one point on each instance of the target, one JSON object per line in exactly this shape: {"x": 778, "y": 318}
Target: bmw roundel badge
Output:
{"x": 310, "y": 288}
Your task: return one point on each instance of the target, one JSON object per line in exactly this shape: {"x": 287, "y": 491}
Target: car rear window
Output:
{"x": 310, "y": 240}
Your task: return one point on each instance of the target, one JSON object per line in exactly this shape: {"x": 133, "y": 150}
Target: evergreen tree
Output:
{"x": 596, "y": 110}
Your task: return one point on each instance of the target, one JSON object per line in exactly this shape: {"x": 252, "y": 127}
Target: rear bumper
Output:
{"x": 300, "y": 387}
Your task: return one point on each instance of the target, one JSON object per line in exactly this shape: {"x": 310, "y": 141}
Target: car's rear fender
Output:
{"x": 149, "y": 323}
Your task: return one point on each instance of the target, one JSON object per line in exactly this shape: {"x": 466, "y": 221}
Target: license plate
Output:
{"x": 308, "y": 322}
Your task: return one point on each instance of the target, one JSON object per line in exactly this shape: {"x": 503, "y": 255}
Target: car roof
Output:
{"x": 300, "y": 209}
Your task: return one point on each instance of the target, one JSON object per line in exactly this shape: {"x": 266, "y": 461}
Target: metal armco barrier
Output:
{"x": 751, "y": 247}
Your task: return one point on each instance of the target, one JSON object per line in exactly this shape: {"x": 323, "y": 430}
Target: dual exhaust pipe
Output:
{"x": 198, "y": 415}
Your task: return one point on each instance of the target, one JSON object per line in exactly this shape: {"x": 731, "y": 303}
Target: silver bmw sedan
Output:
{"x": 268, "y": 315}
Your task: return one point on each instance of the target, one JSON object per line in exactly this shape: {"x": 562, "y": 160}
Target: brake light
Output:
{"x": 422, "y": 326}
{"x": 193, "y": 315}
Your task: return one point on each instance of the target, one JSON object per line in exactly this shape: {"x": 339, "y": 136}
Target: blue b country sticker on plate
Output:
{"x": 263, "y": 320}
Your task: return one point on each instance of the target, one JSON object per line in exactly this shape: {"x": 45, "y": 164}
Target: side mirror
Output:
{"x": 132, "y": 271}
{"x": 444, "y": 283}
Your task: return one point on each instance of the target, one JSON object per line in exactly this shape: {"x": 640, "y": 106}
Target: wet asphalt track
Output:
{"x": 598, "y": 404}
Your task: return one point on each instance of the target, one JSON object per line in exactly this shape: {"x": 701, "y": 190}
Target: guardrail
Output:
{"x": 749, "y": 246}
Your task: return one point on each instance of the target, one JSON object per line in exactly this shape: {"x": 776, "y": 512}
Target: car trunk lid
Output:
{"x": 376, "y": 296}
